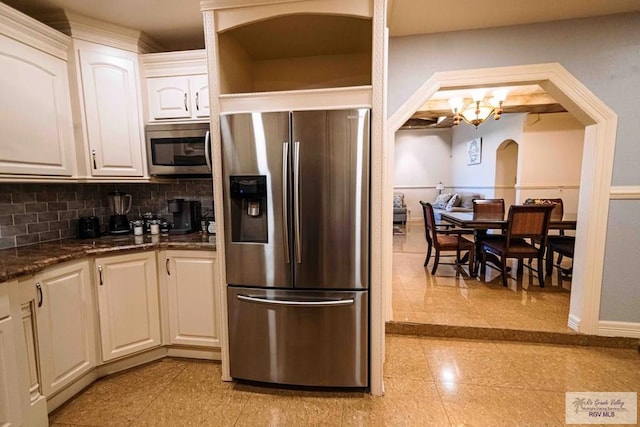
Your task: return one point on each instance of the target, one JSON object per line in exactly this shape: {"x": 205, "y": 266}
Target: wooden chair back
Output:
{"x": 528, "y": 221}
{"x": 558, "y": 207}
{"x": 429, "y": 223}
{"x": 488, "y": 208}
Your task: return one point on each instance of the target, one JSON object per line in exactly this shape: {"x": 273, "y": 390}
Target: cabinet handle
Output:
{"x": 166, "y": 265}
{"x": 100, "y": 273}
{"x": 93, "y": 155}
{"x": 186, "y": 107}
{"x": 40, "y": 296}
{"x": 197, "y": 103}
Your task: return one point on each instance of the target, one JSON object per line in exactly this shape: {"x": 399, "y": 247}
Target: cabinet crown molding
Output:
{"x": 92, "y": 30}
{"x": 31, "y": 32}
{"x": 181, "y": 63}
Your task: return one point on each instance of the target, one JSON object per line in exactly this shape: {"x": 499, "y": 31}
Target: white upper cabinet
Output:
{"x": 177, "y": 85}
{"x": 111, "y": 120}
{"x": 36, "y": 126}
{"x": 178, "y": 97}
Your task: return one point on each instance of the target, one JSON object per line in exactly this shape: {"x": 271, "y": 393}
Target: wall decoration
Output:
{"x": 474, "y": 151}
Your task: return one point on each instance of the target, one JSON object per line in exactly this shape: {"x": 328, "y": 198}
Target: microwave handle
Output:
{"x": 207, "y": 150}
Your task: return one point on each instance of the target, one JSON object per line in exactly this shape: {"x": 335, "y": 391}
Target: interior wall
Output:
{"x": 481, "y": 177}
{"x": 551, "y": 159}
{"x": 422, "y": 159}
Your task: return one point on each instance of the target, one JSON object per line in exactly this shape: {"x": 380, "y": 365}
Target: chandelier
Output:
{"x": 479, "y": 108}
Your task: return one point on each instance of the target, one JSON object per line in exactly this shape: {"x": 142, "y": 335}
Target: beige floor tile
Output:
{"x": 121, "y": 398}
{"x": 474, "y": 405}
{"x": 178, "y": 407}
{"x": 289, "y": 410}
{"x": 404, "y": 358}
{"x": 564, "y": 368}
{"x": 478, "y": 366}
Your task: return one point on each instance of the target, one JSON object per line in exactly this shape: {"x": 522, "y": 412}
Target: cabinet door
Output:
{"x": 128, "y": 304}
{"x": 36, "y": 126}
{"x": 10, "y": 411}
{"x": 112, "y": 112}
{"x": 199, "y": 87}
{"x": 66, "y": 339}
{"x": 34, "y": 403}
{"x": 169, "y": 98}
{"x": 192, "y": 298}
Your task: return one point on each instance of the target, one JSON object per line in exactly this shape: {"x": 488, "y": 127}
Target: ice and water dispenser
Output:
{"x": 249, "y": 209}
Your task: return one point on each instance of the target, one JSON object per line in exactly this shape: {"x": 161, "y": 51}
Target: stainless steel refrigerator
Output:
{"x": 296, "y": 203}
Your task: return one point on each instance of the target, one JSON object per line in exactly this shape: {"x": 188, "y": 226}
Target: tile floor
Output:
{"x": 429, "y": 382}
{"x": 452, "y": 297}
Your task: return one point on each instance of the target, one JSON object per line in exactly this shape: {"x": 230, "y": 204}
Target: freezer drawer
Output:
{"x": 310, "y": 338}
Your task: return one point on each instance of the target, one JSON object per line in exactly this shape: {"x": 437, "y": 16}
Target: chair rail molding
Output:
{"x": 597, "y": 166}
{"x": 628, "y": 192}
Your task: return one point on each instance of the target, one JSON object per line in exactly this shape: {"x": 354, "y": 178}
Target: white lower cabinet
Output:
{"x": 34, "y": 402}
{"x": 10, "y": 406}
{"x": 128, "y": 304}
{"x": 65, "y": 325}
{"x": 191, "y": 297}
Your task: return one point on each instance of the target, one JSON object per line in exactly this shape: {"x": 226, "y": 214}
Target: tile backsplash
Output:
{"x": 34, "y": 213}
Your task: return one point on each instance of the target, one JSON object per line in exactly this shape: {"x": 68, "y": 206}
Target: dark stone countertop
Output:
{"x": 31, "y": 259}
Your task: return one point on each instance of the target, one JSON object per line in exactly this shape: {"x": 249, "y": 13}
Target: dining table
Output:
{"x": 481, "y": 226}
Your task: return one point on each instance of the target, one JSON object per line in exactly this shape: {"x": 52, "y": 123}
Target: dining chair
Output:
{"x": 556, "y": 215}
{"x": 524, "y": 222}
{"x": 488, "y": 209}
{"x": 564, "y": 246}
{"x": 445, "y": 240}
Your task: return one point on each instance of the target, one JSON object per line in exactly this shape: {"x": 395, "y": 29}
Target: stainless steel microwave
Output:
{"x": 178, "y": 149}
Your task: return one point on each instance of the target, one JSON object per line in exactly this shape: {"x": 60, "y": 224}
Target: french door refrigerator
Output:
{"x": 296, "y": 203}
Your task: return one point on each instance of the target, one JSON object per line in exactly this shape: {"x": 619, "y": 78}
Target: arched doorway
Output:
{"x": 506, "y": 171}
{"x": 599, "y": 143}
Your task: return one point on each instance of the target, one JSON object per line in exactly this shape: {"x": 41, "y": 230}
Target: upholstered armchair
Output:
{"x": 399, "y": 208}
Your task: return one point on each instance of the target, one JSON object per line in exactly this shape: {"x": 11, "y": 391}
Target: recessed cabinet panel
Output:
{"x": 111, "y": 103}
{"x": 192, "y": 298}
{"x": 168, "y": 98}
{"x": 36, "y": 127}
{"x": 178, "y": 97}
{"x": 128, "y": 304}
{"x": 65, "y": 325}
{"x": 199, "y": 86}
{"x": 10, "y": 407}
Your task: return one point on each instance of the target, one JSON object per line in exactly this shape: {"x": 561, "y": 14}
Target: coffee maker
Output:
{"x": 119, "y": 207}
{"x": 186, "y": 216}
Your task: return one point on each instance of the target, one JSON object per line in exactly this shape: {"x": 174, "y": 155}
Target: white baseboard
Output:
{"x": 574, "y": 322}
{"x": 609, "y": 328}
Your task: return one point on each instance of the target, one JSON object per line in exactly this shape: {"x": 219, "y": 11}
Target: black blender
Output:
{"x": 119, "y": 206}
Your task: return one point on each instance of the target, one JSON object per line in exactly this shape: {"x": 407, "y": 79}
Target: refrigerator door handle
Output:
{"x": 296, "y": 200}
{"x": 285, "y": 203}
{"x": 289, "y": 303}
{"x": 207, "y": 150}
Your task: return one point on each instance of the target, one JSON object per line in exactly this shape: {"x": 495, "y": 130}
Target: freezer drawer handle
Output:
{"x": 287, "y": 303}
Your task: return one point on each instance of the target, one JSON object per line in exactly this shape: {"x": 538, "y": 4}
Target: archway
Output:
{"x": 600, "y": 133}
{"x": 506, "y": 171}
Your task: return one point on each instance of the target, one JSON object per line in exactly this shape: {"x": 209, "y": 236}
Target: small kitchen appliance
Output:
{"x": 179, "y": 149}
{"x": 119, "y": 207}
{"x": 186, "y": 216}
{"x": 88, "y": 227}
